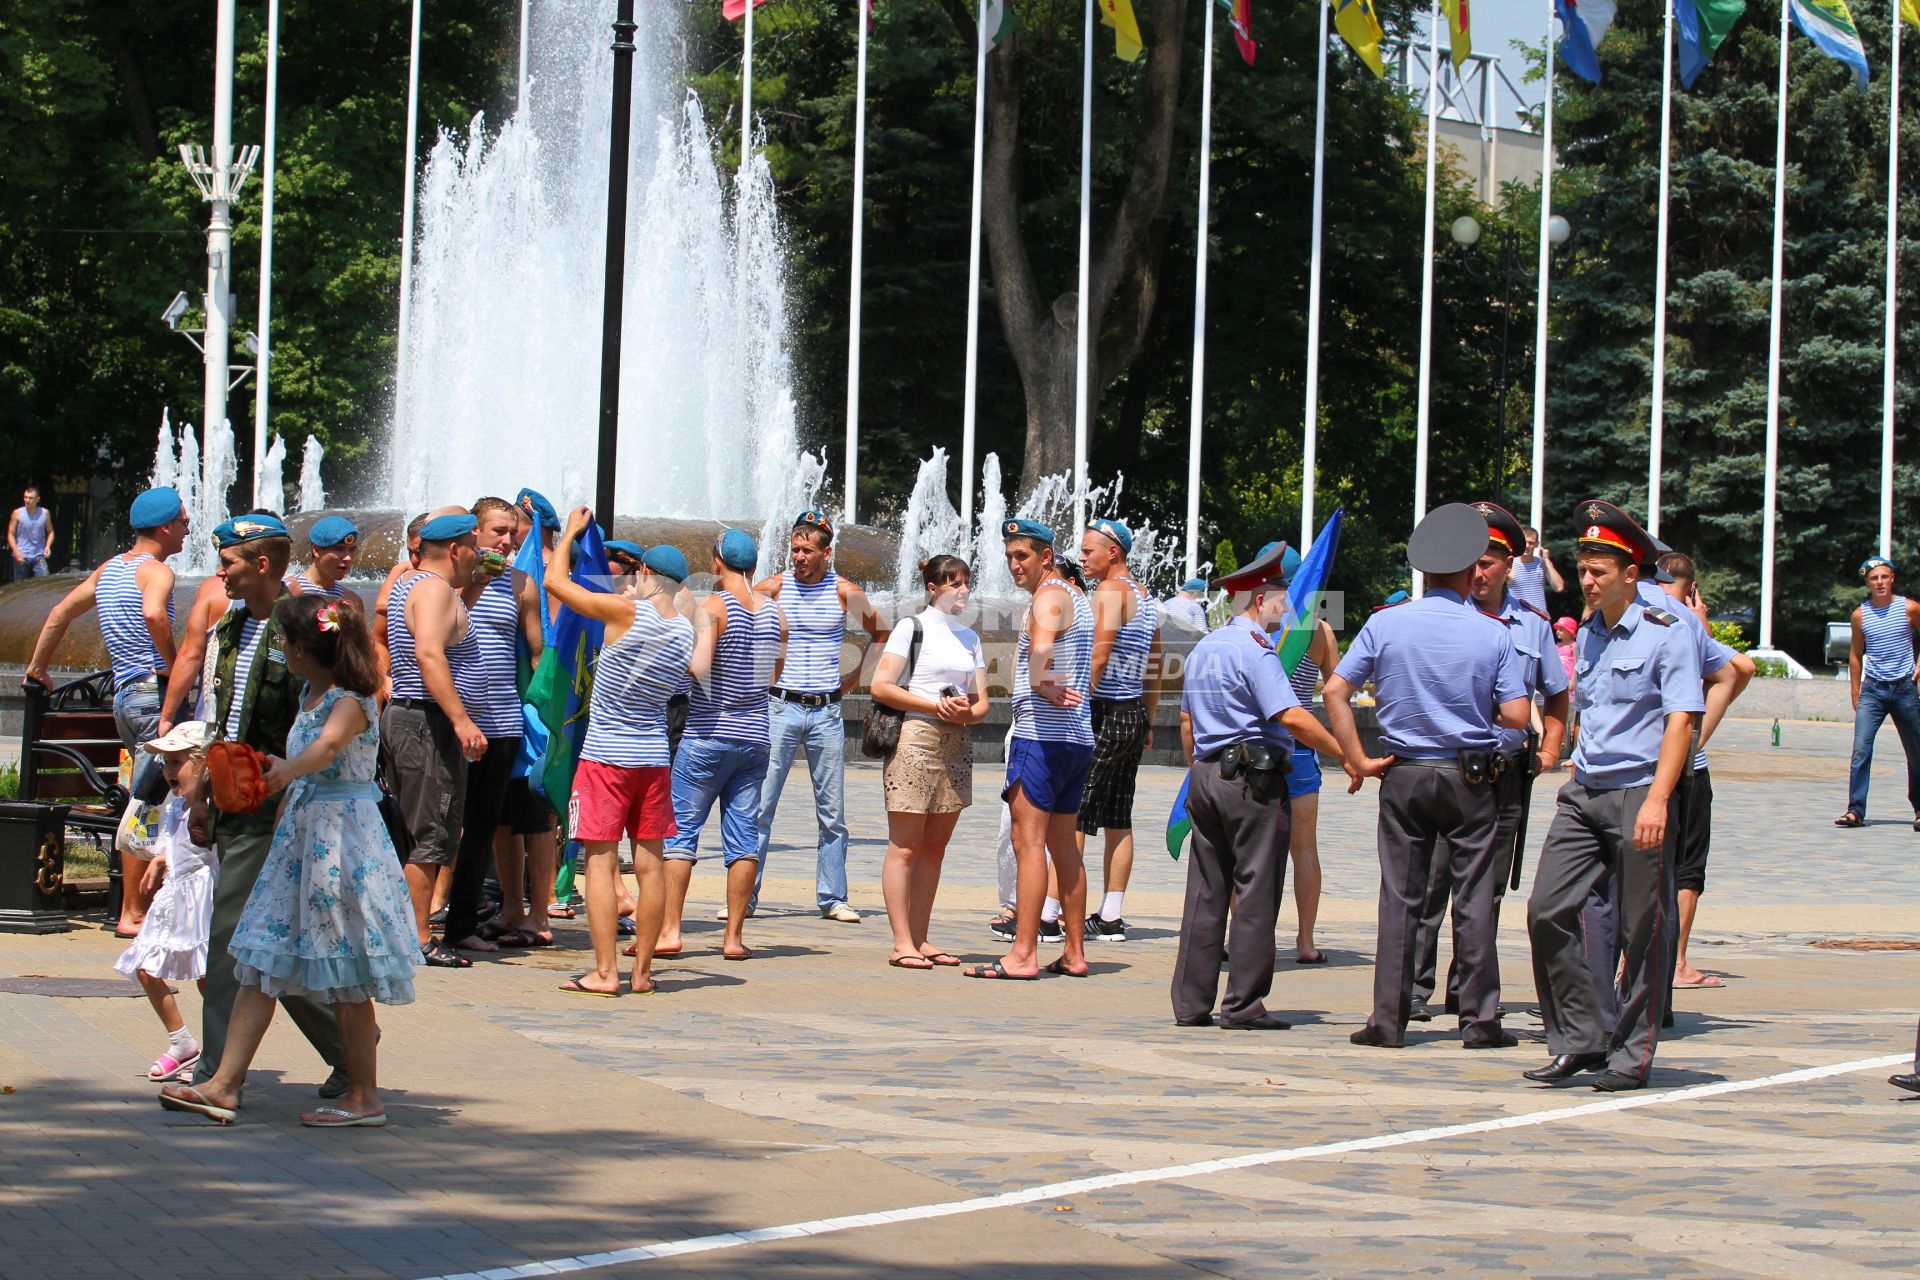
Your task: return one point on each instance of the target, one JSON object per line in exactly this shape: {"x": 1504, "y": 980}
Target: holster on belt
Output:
{"x": 1256, "y": 762}
{"x": 1481, "y": 767}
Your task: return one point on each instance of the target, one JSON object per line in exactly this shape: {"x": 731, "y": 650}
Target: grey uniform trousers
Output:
{"x": 1435, "y": 822}
{"x": 1239, "y": 859}
{"x": 242, "y": 855}
{"x": 1510, "y": 793}
{"x": 1591, "y": 840}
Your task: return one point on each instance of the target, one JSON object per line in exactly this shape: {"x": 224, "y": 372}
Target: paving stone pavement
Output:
{"x": 815, "y": 1082}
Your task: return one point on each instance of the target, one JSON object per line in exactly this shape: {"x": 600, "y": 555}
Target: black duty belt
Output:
{"x": 806, "y": 699}
{"x": 1476, "y": 766}
{"x": 416, "y": 704}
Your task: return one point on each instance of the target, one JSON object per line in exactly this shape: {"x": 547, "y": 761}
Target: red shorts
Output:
{"x": 610, "y": 801}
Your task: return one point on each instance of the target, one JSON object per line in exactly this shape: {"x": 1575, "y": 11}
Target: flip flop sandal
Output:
{"x": 190, "y": 1099}
{"x": 341, "y": 1118}
{"x": 901, "y": 962}
{"x": 1855, "y": 820}
{"x": 1059, "y": 969}
{"x": 1708, "y": 983}
{"x": 167, "y": 1067}
{"x": 559, "y": 913}
{"x": 573, "y": 987}
{"x": 998, "y": 971}
{"x": 439, "y": 955}
{"x": 942, "y": 960}
{"x": 515, "y": 939}
{"x": 747, "y": 956}
{"x": 626, "y": 928}
{"x": 1318, "y": 957}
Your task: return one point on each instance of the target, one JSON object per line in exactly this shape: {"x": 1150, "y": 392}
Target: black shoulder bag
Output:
{"x": 881, "y": 733}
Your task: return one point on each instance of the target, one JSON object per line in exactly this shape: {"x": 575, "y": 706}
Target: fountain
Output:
{"x": 273, "y": 478}
{"x": 313, "y": 494}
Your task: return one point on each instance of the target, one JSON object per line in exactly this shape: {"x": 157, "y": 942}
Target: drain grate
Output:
{"x": 38, "y": 984}
{"x": 1865, "y": 944}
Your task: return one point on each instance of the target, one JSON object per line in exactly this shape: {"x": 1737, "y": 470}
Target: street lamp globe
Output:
{"x": 1558, "y": 229}
{"x": 1466, "y": 231}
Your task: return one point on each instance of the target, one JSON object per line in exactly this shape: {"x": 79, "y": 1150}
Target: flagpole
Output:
{"x": 1893, "y": 257}
{"x": 1080, "y": 406}
{"x": 1656, "y": 425}
{"x": 406, "y": 215}
{"x": 1773, "y": 341}
{"x": 1310, "y": 439}
{"x": 971, "y": 410}
{"x": 1195, "y": 415}
{"x": 263, "y": 321}
{"x": 1423, "y": 418}
{"x": 1537, "y": 495}
{"x": 859, "y": 251}
{"x": 746, "y": 90}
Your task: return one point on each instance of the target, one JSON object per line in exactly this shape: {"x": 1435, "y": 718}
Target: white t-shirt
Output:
{"x": 949, "y": 655}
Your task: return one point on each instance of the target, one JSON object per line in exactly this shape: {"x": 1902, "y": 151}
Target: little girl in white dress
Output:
{"x": 172, "y": 942}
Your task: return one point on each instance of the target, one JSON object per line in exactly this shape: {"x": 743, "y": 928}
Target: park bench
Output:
{"x": 70, "y": 760}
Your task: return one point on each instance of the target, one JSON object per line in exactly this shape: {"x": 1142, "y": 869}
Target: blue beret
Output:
{"x": 331, "y": 531}
{"x": 246, "y": 529}
{"x": 737, "y": 550}
{"x": 1194, "y": 584}
{"x": 667, "y": 561}
{"x": 632, "y": 550}
{"x": 1874, "y": 562}
{"x": 1115, "y": 530}
{"x": 154, "y": 508}
{"x": 447, "y": 528}
{"x": 1395, "y": 598}
{"x": 1021, "y": 527}
{"x": 543, "y": 511}
{"x": 813, "y": 520}
{"x": 1289, "y": 564}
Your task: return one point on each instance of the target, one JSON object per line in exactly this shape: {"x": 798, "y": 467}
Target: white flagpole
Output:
{"x": 1773, "y": 344}
{"x": 746, "y": 90}
{"x": 970, "y": 412}
{"x": 1196, "y": 415}
{"x": 406, "y": 214}
{"x": 520, "y": 103}
{"x": 1310, "y": 440}
{"x": 1423, "y": 418}
{"x": 1893, "y": 257}
{"x": 855, "y": 271}
{"x": 1081, "y": 409}
{"x": 263, "y": 321}
{"x": 1537, "y": 497}
{"x": 1656, "y": 425}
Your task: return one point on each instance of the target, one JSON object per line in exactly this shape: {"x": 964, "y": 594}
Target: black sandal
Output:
{"x": 1855, "y": 820}
{"x": 438, "y": 955}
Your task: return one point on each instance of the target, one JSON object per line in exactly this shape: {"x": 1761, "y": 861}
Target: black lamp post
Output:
{"x": 623, "y": 29}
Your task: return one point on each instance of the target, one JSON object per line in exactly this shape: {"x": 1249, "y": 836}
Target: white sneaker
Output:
{"x": 721, "y": 915}
{"x": 842, "y": 912}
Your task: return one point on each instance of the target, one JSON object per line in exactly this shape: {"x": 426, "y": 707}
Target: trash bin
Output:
{"x": 33, "y": 846}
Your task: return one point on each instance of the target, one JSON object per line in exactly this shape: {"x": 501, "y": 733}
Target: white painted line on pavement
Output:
{"x": 1171, "y": 1173}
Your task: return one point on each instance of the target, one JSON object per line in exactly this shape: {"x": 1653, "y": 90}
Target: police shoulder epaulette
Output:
{"x": 1660, "y": 617}
{"x": 1535, "y": 610}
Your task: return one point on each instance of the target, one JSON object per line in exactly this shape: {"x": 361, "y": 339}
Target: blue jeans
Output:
{"x": 822, "y": 732}
{"x": 1878, "y": 700}
{"x": 32, "y": 567}
{"x": 136, "y": 713}
{"x": 709, "y": 769}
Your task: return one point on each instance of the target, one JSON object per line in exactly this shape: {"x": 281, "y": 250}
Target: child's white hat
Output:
{"x": 188, "y": 735}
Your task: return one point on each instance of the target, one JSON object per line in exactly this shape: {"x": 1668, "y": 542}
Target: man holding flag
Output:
{"x": 1238, "y": 723}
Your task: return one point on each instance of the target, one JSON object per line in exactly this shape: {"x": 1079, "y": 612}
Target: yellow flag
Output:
{"x": 1118, "y": 14}
{"x": 1359, "y": 26}
{"x": 1910, "y": 12}
{"x": 1462, "y": 39}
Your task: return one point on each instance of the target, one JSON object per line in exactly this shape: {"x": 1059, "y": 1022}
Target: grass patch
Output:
{"x": 86, "y": 860}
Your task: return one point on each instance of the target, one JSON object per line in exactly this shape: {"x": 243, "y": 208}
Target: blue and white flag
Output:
{"x": 1583, "y": 25}
{"x": 1829, "y": 24}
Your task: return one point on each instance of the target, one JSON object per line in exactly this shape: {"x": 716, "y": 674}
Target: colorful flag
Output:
{"x": 1703, "y": 25}
{"x": 1240, "y": 18}
{"x": 1118, "y": 14}
{"x": 1583, "y": 25}
{"x": 1360, "y": 27}
{"x": 734, "y": 10}
{"x": 1303, "y": 593}
{"x": 1000, "y": 21}
{"x": 533, "y": 735}
{"x": 1828, "y": 24}
{"x": 1910, "y": 12}
{"x": 1460, "y": 40}
{"x": 563, "y": 685}
{"x": 1178, "y": 823}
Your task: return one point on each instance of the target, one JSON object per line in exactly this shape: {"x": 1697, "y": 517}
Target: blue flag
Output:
{"x": 1583, "y": 25}
{"x": 562, "y": 688}
{"x": 1702, "y": 25}
{"x": 533, "y": 730}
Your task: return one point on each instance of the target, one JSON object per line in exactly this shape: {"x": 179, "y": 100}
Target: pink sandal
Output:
{"x": 167, "y": 1067}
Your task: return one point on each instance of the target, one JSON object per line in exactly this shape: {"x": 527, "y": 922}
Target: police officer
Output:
{"x": 1238, "y": 721}
{"x": 1523, "y": 754}
{"x": 1637, "y": 684}
{"x": 1445, "y": 683}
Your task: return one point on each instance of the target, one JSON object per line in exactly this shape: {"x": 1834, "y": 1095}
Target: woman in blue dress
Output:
{"x": 329, "y": 917}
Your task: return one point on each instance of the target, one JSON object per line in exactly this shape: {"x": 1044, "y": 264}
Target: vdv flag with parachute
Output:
{"x": 563, "y": 685}
{"x": 533, "y": 735}
{"x": 1703, "y": 25}
{"x": 1303, "y": 598}
{"x": 1829, "y": 24}
{"x": 1583, "y": 25}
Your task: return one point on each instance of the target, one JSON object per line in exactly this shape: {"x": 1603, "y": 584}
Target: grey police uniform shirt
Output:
{"x": 1440, "y": 668}
{"x": 1234, "y": 687}
{"x": 1627, "y": 679}
{"x": 1541, "y": 670}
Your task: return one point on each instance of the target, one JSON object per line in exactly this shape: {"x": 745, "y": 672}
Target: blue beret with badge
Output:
{"x": 542, "y": 511}
{"x": 1871, "y": 563}
{"x": 1115, "y": 532}
{"x": 667, "y": 561}
{"x": 1021, "y": 527}
{"x": 243, "y": 529}
{"x": 1194, "y": 585}
{"x": 154, "y": 508}
{"x": 331, "y": 531}
{"x": 815, "y": 521}
{"x": 631, "y": 550}
{"x": 447, "y": 528}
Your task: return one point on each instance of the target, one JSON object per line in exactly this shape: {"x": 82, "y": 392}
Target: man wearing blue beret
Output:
{"x": 332, "y": 543}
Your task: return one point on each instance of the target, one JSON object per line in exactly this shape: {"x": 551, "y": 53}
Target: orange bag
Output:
{"x": 238, "y": 775}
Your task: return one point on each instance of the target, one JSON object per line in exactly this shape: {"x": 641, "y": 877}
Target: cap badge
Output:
{"x": 1595, "y": 511}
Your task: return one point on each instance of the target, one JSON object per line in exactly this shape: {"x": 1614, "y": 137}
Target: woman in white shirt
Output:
{"x": 929, "y": 778}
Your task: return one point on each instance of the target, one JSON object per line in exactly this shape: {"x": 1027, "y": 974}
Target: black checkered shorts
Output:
{"x": 1119, "y": 736}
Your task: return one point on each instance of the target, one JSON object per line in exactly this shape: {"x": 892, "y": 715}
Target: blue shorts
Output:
{"x": 1053, "y": 775}
{"x": 1303, "y": 775}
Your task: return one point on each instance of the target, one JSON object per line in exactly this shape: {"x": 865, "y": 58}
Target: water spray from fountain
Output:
{"x": 203, "y": 489}
{"x": 313, "y": 494}
{"x": 273, "y": 478}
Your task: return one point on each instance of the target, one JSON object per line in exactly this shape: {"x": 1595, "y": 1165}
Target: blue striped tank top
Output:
{"x": 297, "y": 580}
{"x": 1126, "y": 668}
{"x": 1528, "y": 581}
{"x": 634, "y": 677}
{"x": 816, "y": 628}
{"x": 123, "y": 625}
{"x": 731, "y": 703}
{"x": 404, "y": 664}
{"x": 1304, "y": 679}
{"x": 1035, "y": 718}
{"x": 1889, "y": 640}
{"x": 493, "y": 675}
